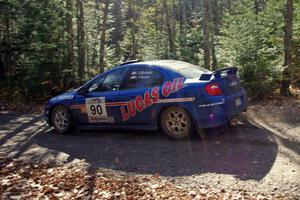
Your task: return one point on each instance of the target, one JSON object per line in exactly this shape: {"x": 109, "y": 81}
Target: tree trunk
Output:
{"x": 228, "y": 4}
{"x": 213, "y": 52}
{"x": 170, "y": 21}
{"x": 259, "y": 5}
{"x": 157, "y": 33}
{"x": 96, "y": 37}
{"x": 81, "y": 40}
{"x": 2, "y": 70}
{"x": 173, "y": 30}
{"x": 166, "y": 19}
{"x": 288, "y": 34}
{"x": 183, "y": 13}
{"x": 103, "y": 36}
{"x": 117, "y": 33}
{"x": 133, "y": 29}
{"x": 182, "y": 24}
{"x": 206, "y": 33}
{"x": 8, "y": 66}
{"x": 215, "y": 22}
{"x": 70, "y": 43}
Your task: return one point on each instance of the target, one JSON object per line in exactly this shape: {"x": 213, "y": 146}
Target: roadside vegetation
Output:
{"x": 51, "y": 46}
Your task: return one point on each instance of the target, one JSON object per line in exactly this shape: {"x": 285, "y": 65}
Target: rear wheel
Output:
{"x": 176, "y": 123}
{"x": 61, "y": 119}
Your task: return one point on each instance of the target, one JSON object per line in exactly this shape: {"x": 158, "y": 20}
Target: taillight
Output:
{"x": 213, "y": 89}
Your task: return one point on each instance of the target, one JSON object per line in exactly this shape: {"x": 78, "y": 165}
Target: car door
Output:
{"x": 97, "y": 104}
{"x": 141, "y": 93}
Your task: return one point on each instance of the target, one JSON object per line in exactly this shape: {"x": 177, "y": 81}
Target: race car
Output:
{"x": 177, "y": 97}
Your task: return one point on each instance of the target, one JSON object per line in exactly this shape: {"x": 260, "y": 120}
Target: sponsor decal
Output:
{"x": 63, "y": 97}
{"x": 170, "y": 87}
{"x": 140, "y": 74}
{"x": 212, "y": 104}
{"x": 140, "y": 103}
{"x": 233, "y": 83}
{"x": 102, "y": 119}
{"x": 96, "y": 109}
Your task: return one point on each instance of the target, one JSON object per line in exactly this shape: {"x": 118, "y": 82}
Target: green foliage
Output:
{"x": 295, "y": 70}
{"x": 253, "y": 42}
{"x": 34, "y": 40}
{"x": 190, "y": 45}
{"x": 40, "y": 37}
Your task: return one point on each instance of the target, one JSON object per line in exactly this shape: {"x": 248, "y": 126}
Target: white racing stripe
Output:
{"x": 175, "y": 100}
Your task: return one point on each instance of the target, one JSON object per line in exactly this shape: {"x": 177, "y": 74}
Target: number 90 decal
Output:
{"x": 95, "y": 108}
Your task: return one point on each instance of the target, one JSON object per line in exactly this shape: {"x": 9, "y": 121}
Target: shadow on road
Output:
{"x": 245, "y": 151}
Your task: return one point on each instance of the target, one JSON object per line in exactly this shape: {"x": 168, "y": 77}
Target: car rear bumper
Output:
{"x": 221, "y": 111}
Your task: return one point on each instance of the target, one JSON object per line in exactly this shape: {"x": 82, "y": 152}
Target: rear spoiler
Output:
{"x": 219, "y": 73}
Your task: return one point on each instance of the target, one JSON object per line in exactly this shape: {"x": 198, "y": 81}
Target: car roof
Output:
{"x": 174, "y": 65}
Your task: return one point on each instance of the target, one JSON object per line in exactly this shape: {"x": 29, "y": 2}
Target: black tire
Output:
{"x": 176, "y": 123}
{"x": 61, "y": 119}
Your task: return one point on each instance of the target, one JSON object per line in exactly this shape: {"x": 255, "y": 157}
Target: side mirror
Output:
{"x": 82, "y": 90}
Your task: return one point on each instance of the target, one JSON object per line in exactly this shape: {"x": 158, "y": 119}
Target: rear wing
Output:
{"x": 219, "y": 73}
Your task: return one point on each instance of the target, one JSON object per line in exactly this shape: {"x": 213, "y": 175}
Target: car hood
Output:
{"x": 65, "y": 96}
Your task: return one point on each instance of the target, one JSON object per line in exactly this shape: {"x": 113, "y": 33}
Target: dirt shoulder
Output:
{"x": 31, "y": 180}
{"x": 33, "y": 108}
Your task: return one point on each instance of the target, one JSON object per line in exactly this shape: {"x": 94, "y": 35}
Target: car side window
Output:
{"x": 143, "y": 78}
{"x": 109, "y": 82}
{"x": 94, "y": 87}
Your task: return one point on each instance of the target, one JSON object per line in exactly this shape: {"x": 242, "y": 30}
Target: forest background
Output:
{"x": 47, "y": 46}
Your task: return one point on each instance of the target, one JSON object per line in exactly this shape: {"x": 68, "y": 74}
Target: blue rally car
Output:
{"x": 175, "y": 96}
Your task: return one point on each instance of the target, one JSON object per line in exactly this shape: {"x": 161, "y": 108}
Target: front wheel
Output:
{"x": 176, "y": 123}
{"x": 61, "y": 119}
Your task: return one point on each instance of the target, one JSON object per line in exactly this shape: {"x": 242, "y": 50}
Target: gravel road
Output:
{"x": 257, "y": 153}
